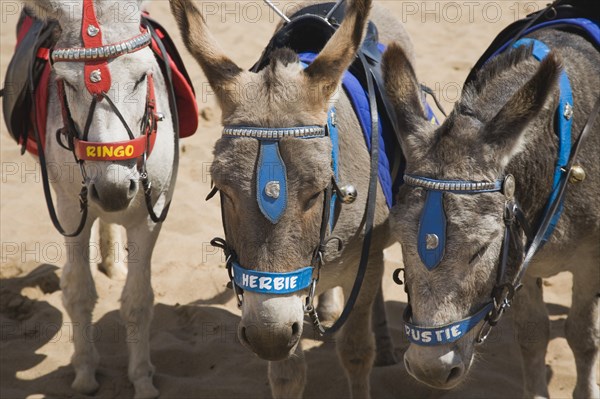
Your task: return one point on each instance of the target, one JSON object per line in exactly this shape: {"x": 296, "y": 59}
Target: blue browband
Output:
{"x": 448, "y": 333}
{"x": 431, "y": 242}
{"x": 270, "y": 282}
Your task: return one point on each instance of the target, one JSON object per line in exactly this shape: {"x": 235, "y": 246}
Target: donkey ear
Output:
{"x": 44, "y": 9}
{"x": 403, "y": 90}
{"x": 325, "y": 72}
{"x": 505, "y": 130}
{"x": 220, "y": 71}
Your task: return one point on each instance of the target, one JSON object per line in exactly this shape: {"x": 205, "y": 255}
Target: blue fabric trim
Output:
{"x": 589, "y": 26}
{"x": 433, "y": 221}
{"x": 448, "y": 333}
{"x": 271, "y": 169}
{"x": 360, "y": 103}
{"x": 335, "y": 156}
{"x": 270, "y": 282}
{"x": 541, "y": 51}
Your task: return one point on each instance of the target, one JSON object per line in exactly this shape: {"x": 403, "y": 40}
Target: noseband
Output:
{"x": 95, "y": 58}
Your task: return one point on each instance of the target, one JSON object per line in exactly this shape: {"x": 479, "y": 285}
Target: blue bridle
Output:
{"x": 432, "y": 228}
{"x": 271, "y": 196}
{"x": 431, "y": 243}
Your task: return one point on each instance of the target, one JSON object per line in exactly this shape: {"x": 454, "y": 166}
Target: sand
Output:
{"x": 193, "y": 341}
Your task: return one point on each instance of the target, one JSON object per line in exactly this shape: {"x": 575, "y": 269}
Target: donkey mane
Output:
{"x": 284, "y": 56}
{"x": 473, "y": 92}
{"x": 497, "y": 65}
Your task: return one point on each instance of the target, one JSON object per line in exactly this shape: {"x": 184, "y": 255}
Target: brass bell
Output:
{"x": 347, "y": 193}
{"x": 577, "y": 174}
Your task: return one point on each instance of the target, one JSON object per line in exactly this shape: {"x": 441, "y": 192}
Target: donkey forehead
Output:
{"x": 307, "y": 161}
{"x": 277, "y": 96}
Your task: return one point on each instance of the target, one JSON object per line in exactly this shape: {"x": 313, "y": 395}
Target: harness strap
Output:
{"x": 46, "y": 182}
{"x": 175, "y": 117}
{"x": 562, "y": 190}
{"x": 96, "y": 73}
{"x": 371, "y": 204}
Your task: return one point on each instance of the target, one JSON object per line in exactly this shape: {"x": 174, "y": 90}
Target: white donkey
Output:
{"x": 108, "y": 100}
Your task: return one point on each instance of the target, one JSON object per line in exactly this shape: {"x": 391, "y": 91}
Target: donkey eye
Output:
{"x": 479, "y": 253}
{"x": 312, "y": 200}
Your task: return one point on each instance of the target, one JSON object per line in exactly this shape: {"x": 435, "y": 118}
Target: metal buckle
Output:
{"x": 308, "y": 306}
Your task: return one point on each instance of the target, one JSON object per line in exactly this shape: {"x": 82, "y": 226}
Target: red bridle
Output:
{"x": 95, "y": 57}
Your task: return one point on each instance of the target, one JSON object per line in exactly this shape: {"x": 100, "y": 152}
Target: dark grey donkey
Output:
{"x": 279, "y": 97}
{"x": 503, "y": 125}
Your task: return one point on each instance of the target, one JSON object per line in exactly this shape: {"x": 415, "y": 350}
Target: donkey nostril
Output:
{"x": 243, "y": 335}
{"x": 455, "y": 373}
{"x": 295, "y": 329}
{"x": 295, "y": 337}
{"x": 407, "y": 365}
{"x": 94, "y": 192}
{"x": 132, "y": 187}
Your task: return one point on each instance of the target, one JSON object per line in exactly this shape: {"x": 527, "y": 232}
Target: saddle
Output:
{"x": 577, "y": 16}
{"x": 28, "y": 79}
{"x": 306, "y": 34}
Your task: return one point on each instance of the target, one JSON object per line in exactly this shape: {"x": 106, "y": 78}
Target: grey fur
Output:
{"x": 502, "y": 124}
{"x": 283, "y": 95}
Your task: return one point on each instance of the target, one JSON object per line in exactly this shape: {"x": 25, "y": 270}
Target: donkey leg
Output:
{"x": 355, "y": 342}
{"x": 288, "y": 377}
{"x": 331, "y": 304}
{"x": 109, "y": 236}
{"x": 533, "y": 330}
{"x": 137, "y": 309}
{"x": 79, "y": 298}
{"x": 385, "y": 347}
{"x": 583, "y": 327}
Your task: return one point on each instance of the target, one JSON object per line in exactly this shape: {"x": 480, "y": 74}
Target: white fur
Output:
{"x": 79, "y": 294}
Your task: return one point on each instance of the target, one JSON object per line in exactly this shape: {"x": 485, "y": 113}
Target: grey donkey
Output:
{"x": 503, "y": 124}
{"x": 271, "y": 325}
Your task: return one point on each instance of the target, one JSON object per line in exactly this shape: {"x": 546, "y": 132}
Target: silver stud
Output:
{"x": 95, "y": 76}
{"x": 432, "y": 241}
{"x": 272, "y": 189}
{"x": 568, "y": 113}
{"x": 92, "y": 30}
{"x": 348, "y": 193}
{"x": 160, "y": 116}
